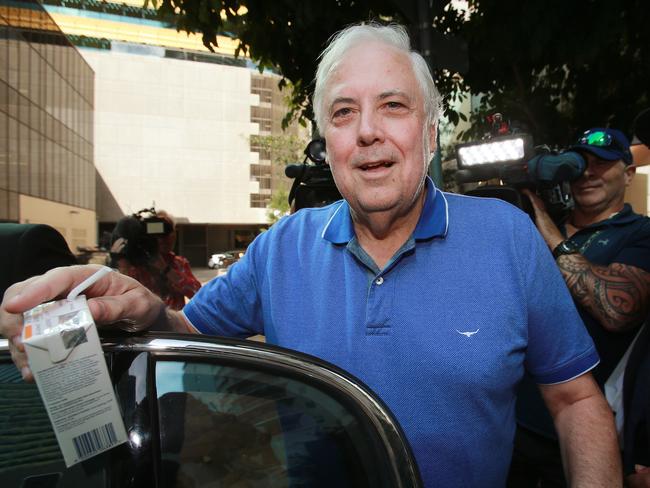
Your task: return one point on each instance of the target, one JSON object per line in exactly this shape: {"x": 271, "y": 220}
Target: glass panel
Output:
{"x": 23, "y": 158}
{"x": 4, "y": 97}
{"x": 34, "y": 77}
{"x": 35, "y": 171}
{"x": 48, "y": 172}
{"x": 4, "y": 150}
{"x": 4, "y": 53}
{"x": 4, "y": 210}
{"x": 233, "y": 427}
{"x": 13, "y": 154}
{"x": 29, "y": 453}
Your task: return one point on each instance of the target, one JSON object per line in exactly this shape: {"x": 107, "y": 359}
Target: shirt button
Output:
{"x": 379, "y": 280}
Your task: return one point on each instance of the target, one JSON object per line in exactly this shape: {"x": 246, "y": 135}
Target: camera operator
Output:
{"x": 603, "y": 252}
{"x": 150, "y": 259}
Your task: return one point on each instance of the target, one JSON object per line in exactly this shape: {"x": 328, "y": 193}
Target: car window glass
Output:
{"x": 223, "y": 426}
{"x": 29, "y": 453}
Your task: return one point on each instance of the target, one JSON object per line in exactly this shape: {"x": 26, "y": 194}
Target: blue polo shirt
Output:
{"x": 442, "y": 334}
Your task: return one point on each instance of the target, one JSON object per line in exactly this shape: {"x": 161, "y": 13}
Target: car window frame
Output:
{"x": 366, "y": 406}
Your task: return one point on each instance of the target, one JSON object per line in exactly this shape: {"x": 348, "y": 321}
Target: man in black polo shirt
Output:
{"x": 603, "y": 252}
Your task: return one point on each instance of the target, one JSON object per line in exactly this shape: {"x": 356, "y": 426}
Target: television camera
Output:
{"x": 508, "y": 156}
{"x": 135, "y": 237}
{"x": 313, "y": 184}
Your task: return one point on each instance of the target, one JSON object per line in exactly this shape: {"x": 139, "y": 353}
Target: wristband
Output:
{"x": 567, "y": 246}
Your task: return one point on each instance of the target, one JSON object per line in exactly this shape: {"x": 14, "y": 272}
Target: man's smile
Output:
{"x": 376, "y": 165}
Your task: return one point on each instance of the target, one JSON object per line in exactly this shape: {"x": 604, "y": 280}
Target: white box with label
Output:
{"x": 66, "y": 357}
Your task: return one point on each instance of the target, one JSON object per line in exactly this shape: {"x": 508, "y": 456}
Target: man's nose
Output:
{"x": 370, "y": 129}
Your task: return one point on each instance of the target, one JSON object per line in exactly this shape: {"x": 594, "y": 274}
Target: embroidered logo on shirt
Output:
{"x": 603, "y": 242}
{"x": 469, "y": 333}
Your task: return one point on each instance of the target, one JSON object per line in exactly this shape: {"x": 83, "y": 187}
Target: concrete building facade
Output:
{"x": 173, "y": 125}
{"x": 46, "y": 126}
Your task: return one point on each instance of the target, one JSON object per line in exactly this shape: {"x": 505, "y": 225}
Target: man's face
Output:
{"x": 375, "y": 129}
{"x": 602, "y": 186}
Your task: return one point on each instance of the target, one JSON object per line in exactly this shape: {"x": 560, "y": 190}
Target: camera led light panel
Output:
{"x": 493, "y": 151}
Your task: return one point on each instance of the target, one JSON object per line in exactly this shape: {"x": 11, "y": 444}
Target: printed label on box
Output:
{"x": 66, "y": 357}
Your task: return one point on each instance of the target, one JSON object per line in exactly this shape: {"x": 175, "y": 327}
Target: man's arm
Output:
{"x": 618, "y": 295}
{"x": 585, "y": 427}
{"x": 114, "y": 298}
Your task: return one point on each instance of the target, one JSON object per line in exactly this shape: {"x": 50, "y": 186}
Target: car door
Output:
{"x": 214, "y": 412}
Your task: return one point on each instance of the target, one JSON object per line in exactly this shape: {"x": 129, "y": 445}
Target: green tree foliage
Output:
{"x": 283, "y": 149}
{"x": 285, "y": 35}
{"x": 560, "y": 67}
{"x": 556, "y": 66}
{"x": 278, "y": 206}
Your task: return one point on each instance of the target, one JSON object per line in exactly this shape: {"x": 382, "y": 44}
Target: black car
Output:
{"x": 213, "y": 412}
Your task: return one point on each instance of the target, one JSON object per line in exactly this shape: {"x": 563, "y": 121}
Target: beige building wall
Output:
{"x": 638, "y": 193}
{"x": 76, "y": 224}
{"x": 175, "y": 133}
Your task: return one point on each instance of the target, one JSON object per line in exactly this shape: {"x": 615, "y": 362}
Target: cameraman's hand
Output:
{"x": 543, "y": 221}
{"x": 113, "y": 298}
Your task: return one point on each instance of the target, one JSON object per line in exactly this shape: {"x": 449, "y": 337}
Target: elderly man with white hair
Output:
{"x": 438, "y": 302}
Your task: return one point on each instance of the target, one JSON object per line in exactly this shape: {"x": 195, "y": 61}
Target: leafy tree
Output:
{"x": 278, "y": 206}
{"x": 560, "y": 67}
{"x": 286, "y": 35}
{"x": 555, "y": 66}
{"x": 283, "y": 149}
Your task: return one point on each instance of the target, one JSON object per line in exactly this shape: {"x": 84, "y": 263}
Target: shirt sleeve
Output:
{"x": 637, "y": 252}
{"x": 559, "y": 346}
{"x": 186, "y": 284}
{"x": 229, "y": 305}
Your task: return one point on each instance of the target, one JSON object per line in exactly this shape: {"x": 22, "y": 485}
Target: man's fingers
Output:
{"x": 137, "y": 305}
{"x": 19, "y": 358}
{"x": 53, "y": 284}
{"x": 534, "y": 199}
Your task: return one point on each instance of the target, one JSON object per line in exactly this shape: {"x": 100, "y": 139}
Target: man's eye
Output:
{"x": 394, "y": 105}
{"x": 342, "y": 112}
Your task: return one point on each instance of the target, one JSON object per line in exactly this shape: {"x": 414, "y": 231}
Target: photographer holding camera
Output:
{"x": 142, "y": 249}
{"x": 603, "y": 252}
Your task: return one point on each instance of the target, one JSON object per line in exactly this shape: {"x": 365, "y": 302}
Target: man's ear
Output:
{"x": 630, "y": 171}
{"x": 433, "y": 132}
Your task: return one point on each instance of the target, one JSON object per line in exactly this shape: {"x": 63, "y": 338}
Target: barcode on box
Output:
{"x": 94, "y": 441}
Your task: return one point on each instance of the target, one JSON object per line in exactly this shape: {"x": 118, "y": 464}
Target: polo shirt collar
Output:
{"x": 433, "y": 221}
{"x": 624, "y": 217}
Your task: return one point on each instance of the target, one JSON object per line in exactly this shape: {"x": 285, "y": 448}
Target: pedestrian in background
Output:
{"x": 602, "y": 250}
{"x": 150, "y": 259}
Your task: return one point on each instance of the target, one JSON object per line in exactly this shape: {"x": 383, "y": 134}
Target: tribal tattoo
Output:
{"x": 618, "y": 295}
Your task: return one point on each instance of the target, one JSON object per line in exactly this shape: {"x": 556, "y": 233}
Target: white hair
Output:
{"x": 392, "y": 35}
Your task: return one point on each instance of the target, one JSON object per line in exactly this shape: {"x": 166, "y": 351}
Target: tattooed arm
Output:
{"x": 618, "y": 295}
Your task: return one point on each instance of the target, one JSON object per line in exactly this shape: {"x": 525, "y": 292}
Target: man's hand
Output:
{"x": 543, "y": 221}
{"x": 640, "y": 478}
{"x": 113, "y": 298}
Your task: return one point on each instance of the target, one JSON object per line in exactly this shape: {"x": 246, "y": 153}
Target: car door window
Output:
{"x": 29, "y": 453}
{"x": 226, "y": 426}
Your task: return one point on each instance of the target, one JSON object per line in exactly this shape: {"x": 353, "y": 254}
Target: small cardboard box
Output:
{"x": 66, "y": 358}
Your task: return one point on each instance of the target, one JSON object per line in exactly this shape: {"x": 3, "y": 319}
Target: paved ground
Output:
{"x": 206, "y": 274}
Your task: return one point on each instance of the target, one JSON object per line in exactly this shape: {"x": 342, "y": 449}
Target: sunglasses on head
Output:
{"x": 600, "y": 138}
